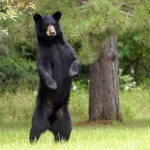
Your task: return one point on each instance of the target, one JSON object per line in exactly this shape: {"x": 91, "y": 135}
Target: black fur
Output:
{"x": 57, "y": 63}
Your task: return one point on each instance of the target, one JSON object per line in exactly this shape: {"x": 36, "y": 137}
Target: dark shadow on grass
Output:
{"x": 136, "y": 123}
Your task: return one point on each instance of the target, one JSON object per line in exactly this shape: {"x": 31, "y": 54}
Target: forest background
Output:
{"x": 18, "y": 47}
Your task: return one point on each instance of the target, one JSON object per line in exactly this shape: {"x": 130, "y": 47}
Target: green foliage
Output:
{"x": 16, "y": 71}
{"x": 90, "y": 24}
{"x": 86, "y": 27}
{"x": 24, "y": 41}
{"x": 18, "y": 26}
{"x": 134, "y": 56}
{"x": 10, "y": 10}
{"x": 16, "y": 67}
{"x": 126, "y": 81}
{"x": 7, "y": 10}
{"x": 3, "y": 44}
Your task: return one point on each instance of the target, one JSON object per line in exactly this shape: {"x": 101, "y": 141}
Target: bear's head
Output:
{"x": 47, "y": 26}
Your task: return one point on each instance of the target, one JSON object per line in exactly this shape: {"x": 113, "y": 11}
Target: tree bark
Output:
{"x": 104, "y": 83}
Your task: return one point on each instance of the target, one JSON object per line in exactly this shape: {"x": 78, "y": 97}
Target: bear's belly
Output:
{"x": 59, "y": 95}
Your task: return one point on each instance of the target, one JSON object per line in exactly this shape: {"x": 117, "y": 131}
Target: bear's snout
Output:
{"x": 51, "y": 31}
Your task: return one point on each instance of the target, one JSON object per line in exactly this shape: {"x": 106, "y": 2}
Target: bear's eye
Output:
{"x": 53, "y": 24}
{"x": 45, "y": 25}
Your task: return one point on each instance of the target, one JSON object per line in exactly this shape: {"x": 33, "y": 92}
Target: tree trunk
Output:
{"x": 104, "y": 99}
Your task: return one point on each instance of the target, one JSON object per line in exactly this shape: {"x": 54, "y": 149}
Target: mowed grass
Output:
{"x": 133, "y": 135}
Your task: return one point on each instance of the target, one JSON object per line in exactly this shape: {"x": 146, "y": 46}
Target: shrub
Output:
{"x": 16, "y": 71}
{"x": 126, "y": 81}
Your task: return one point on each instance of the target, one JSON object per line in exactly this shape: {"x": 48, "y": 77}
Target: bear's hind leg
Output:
{"x": 61, "y": 127}
{"x": 39, "y": 125}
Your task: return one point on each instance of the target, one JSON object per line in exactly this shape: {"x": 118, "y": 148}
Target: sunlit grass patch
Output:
{"x": 116, "y": 136}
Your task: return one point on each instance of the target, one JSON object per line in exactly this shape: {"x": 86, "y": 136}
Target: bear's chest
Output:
{"x": 60, "y": 62}
{"x": 59, "y": 56}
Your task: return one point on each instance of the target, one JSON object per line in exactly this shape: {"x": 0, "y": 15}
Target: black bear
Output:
{"x": 57, "y": 64}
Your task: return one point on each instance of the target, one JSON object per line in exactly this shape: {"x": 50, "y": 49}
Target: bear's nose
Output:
{"x": 53, "y": 33}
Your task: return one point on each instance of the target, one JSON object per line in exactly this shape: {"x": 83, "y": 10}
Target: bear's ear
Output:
{"x": 37, "y": 17}
{"x": 57, "y": 15}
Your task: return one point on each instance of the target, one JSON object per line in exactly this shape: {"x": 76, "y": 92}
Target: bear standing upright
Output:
{"x": 57, "y": 64}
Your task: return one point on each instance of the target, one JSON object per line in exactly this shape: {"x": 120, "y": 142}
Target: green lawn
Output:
{"x": 133, "y": 135}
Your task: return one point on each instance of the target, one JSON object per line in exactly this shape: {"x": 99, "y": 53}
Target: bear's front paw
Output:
{"x": 74, "y": 69}
{"x": 72, "y": 73}
{"x": 51, "y": 84}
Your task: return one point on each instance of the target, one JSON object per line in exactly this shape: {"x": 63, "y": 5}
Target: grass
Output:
{"x": 133, "y": 135}
{"x": 135, "y": 103}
